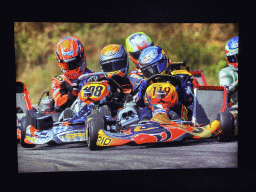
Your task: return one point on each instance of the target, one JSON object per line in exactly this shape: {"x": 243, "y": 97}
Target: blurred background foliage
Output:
{"x": 201, "y": 45}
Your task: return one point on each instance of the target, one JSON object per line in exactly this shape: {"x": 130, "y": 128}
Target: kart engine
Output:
{"x": 126, "y": 117}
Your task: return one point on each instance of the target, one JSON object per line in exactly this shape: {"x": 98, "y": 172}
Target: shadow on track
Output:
{"x": 127, "y": 147}
{"x": 134, "y": 146}
{"x": 59, "y": 146}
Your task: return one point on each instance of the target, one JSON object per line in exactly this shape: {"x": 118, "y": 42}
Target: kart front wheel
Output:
{"x": 95, "y": 122}
{"x": 105, "y": 110}
{"x": 26, "y": 121}
{"x": 227, "y": 126}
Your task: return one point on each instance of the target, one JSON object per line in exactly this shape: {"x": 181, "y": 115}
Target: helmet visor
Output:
{"x": 233, "y": 58}
{"x": 113, "y": 65}
{"x": 71, "y": 64}
{"x": 155, "y": 68}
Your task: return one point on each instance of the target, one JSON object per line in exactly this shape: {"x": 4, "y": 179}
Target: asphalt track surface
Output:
{"x": 77, "y": 157}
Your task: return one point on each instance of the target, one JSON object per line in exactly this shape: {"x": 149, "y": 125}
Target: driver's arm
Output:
{"x": 225, "y": 79}
{"x": 141, "y": 93}
{"x": 63, "y": 94}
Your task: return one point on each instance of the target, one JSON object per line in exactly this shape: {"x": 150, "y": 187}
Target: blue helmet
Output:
{"x": 153, "y": 60}
{"x": 231, "y": 51}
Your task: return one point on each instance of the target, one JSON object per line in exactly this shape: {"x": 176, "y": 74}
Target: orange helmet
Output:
{"x": 70, "y": 57}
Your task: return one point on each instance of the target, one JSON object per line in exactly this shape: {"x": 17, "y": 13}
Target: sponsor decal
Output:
{"x": 104, "y": 141}
{"x": 71, "y": 137}
{"x": 32, "y": 139}
{"x": 59, "y": 78}
{"x": 74, "y": 135}
{"x": 150, "y": 56}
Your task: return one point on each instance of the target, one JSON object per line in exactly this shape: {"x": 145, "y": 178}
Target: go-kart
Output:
{"x": 23, "y": 104}
{"x": 102, "y": 95}
{"x": 205, "y": 111}
{"x": 103, "y": 131}
{"x": 43, "y": 110}
{"x": 97, "y": 108}
{"x": 45, "y": 107}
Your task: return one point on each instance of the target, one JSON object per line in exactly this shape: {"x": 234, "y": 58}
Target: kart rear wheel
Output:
{"x": 95, "y": 123}
{"x": 27, "y": 120}
{"x": 227, "y": 126}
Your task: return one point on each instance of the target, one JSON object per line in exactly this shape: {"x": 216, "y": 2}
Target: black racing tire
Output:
{"x": 227, "y": 126}
{"x": 95, "y": 122}
{"x": 105, "y": 110}
{"x": 26, "y": 121}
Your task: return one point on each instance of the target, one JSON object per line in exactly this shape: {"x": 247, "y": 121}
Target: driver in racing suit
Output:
{"x": 114, "y": 63}
{"x": 153, "y": 60}
{"x": 229, "y": 76}
{"x": 71, "y": 59}
{"x": 135, "y": 44}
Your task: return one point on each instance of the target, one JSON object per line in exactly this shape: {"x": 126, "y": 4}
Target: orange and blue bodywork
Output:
{"x": 73, "y": 130}
{"x": 159, "y": 129}
{"x": 62, "y": 133}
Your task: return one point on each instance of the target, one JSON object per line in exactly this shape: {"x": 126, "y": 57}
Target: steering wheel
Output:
{"x": 113, "y": 84}
{"x": 174, "y": 81}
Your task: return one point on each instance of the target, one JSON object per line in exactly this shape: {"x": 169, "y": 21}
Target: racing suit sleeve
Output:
{"x": 140, "y": 98}
{"x": 184, "y": 89}
{"x": 136, "y": 71}
{"x": 226, "y": 79}
{"x": 63, "y": 94}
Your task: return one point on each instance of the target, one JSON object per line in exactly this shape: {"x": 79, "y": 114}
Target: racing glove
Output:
{"x": 75, "y": 89}
{"x": 72, "y": 91}
{"x": 141, "y": 93}
{"x": 184, "y": 89}
{"x": 233, "y": 86}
